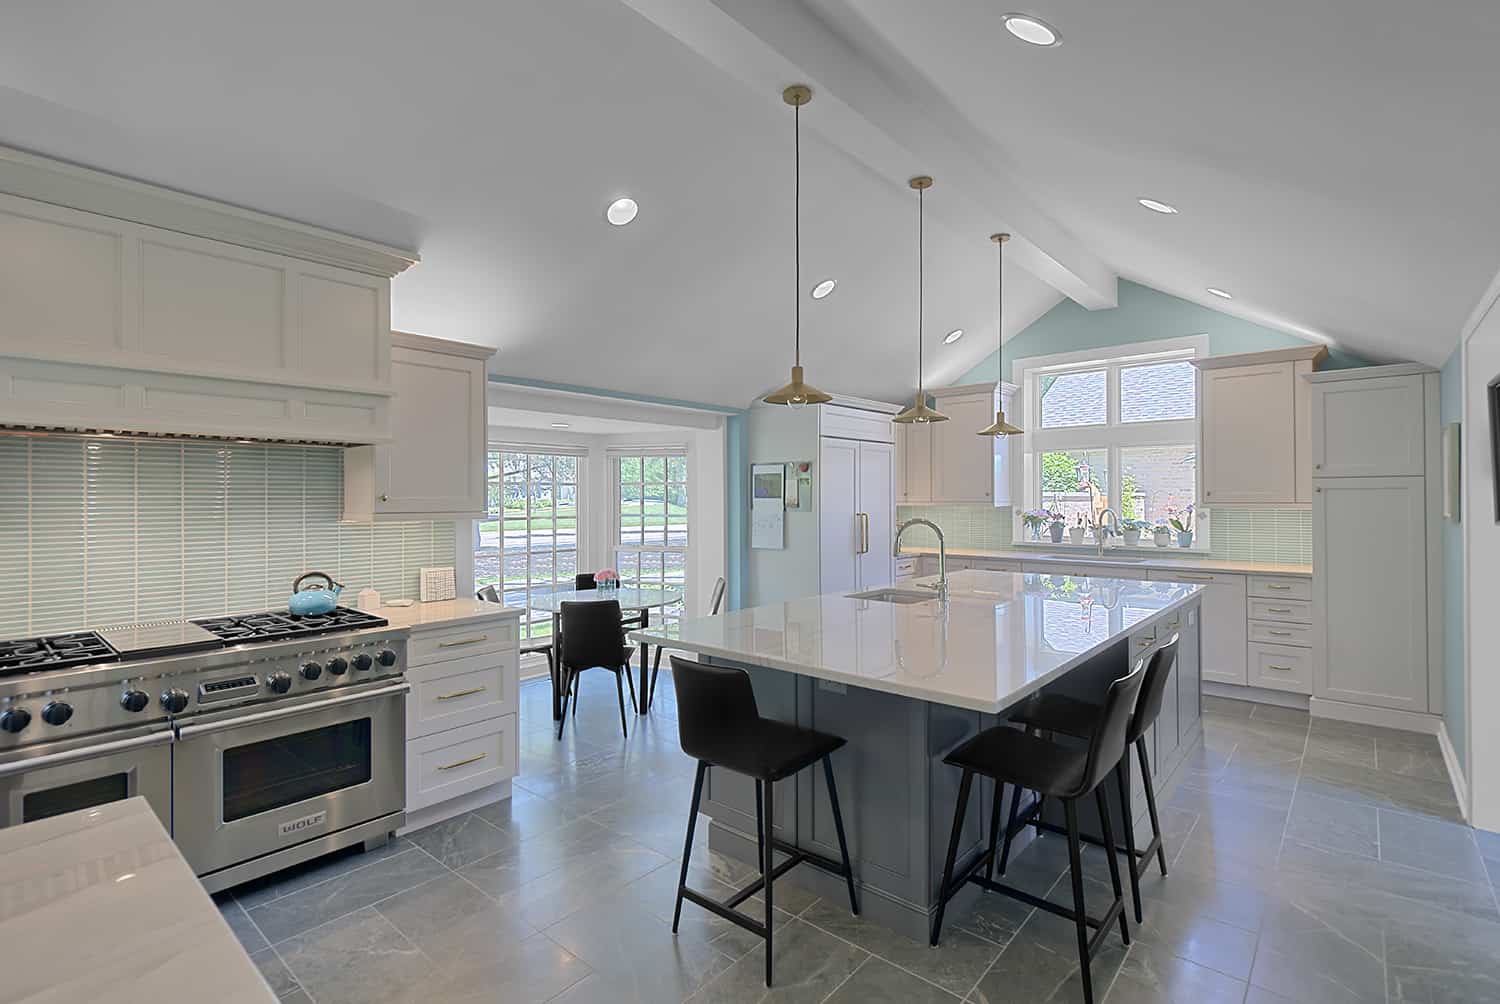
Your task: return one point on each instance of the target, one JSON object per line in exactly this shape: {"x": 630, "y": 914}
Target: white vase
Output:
{"x": 1075, "y": 534}
{"x": 1132, "y": 536}
{"x": 1162, "y": 536}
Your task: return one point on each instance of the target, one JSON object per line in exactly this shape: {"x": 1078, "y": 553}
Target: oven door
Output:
{"x": 55, "y": 778}
{"x": 252, "y": 783}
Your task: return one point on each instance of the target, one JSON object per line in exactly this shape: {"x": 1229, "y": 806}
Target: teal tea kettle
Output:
{"x": 312, "y": 599}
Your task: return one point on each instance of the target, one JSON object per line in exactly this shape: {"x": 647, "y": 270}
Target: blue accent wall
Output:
{"x": 1455, "y": 684}
{"x": 737, "y": 498}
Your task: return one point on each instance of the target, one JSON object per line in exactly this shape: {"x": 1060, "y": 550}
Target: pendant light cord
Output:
{"x": 797, "y": 229}
{"x": 999, "y": 310}
{"x": 921, "y": 285}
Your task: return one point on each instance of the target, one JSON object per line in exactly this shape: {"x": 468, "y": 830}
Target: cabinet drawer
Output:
{"x": 477, "y": 638}
{"x": 1196, "y": 578}
{"x": 1295, "y": 611}
{"x": 906, "y": 568}
{"x": 447, "y": 764}
{"x": 1280, "y": 667}
{"x": 996, "y": 564}
{"x": 1279, "y": 633}
{"x": 456, "y": 692}
{"x": 1280, "y": 589}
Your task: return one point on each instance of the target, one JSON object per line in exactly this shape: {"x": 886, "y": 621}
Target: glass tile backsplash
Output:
{"x": 99, "y": 531}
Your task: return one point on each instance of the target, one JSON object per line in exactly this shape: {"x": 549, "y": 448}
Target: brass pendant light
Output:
{"x": 918, "y": 413}
{"x": 797, "y": 393}
{"x": 1000, "y": 427}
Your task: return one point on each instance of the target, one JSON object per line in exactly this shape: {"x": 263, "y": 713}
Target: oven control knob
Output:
{"x": 279, "y": 683}
{"x": 386, "y": 657}
{"x": 362, "y": 662}
{"x": 14, "y": 719}
{"x": 338, "y": 665}
{"x": 312, "y": 670}
{"x": 135, "y": 700}
{"x": 57, "y": 712}
{"x": 174, "y": 701}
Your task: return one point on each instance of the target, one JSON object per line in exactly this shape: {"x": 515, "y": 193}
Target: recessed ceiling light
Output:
{"x": 621, "y": 211}
{"x": 1031, "y": 29}
{"x": 823, "y": 288}
{"x": 1219, "y": 292}
{"x": 561, "y": 425}
{"x": 1157, "y": 207}
{"x": 953, "y": 336}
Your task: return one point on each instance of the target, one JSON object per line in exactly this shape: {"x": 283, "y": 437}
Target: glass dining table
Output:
{"x": 631, "y": 600}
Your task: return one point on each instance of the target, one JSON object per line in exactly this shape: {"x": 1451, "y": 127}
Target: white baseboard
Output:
{"x": 1363, "y": 714}
{"x": 454, "y": 807}
{"x": 1260, "y": 695}
{"x": 1455, "y": 772}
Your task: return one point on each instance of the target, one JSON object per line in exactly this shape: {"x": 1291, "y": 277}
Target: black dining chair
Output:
{"x": 1064, "y": 771}
{"x": 529, "y": 646}
{"x": 593, "y": 637}
{"x": 720, "y": 726}
{"x": 584, "y": 581}
{"x": 1070, "y": 716}
{"x": 715, "y": 602}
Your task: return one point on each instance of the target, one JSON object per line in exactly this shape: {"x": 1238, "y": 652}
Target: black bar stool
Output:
{"x": 1072, "y": 717}
{"x": 719, "y": 726}
{"x": 1010, "y": 756}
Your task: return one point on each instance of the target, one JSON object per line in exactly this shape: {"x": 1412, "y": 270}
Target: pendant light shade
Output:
{"x": 918, "y": 413}
{"x": 798, "y": 392}
{"x": 1000, "y": 427}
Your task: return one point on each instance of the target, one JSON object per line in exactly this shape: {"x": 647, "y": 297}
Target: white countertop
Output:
{"x": 98, "y": 905}
{"x": 1143, "y": 558}
{"x": 1000, "y": 637}
{"x": 444, "y": 612}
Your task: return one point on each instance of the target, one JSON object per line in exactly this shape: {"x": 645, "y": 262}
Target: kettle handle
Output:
{"x": 297, "y": 583}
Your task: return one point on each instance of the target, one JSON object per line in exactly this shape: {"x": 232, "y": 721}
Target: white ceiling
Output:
{"x": 1335, "y": 164}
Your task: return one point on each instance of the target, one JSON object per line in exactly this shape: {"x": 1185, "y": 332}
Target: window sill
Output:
{"x": 1090, "y": 549}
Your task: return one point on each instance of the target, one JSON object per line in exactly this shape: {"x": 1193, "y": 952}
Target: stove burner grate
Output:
{"x": 280, "y": 626}
{"x": 59, "y": 651}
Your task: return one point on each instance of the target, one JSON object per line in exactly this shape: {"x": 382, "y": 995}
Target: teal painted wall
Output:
{"x": 736, "y": 497}
{"x": 1144, "y": 315}
{"x": 1455, "y": 685}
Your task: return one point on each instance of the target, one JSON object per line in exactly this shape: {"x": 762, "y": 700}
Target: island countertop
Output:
{"x": 98, "y": 905}
{"x": 999, "y": 637}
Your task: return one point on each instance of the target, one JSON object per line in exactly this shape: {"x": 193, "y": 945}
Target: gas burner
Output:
{"x": 26, "y": 655}
{"x": 279, "y": 626}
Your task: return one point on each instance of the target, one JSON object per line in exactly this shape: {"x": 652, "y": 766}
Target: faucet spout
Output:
{"x": 942, "y": 582}
{"x": 1104, "y": 529}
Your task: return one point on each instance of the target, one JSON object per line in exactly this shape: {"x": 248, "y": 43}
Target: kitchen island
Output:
{"x": 905, "y": 677}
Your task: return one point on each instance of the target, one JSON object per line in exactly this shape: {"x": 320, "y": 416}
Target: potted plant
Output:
{"x": 1034, "y": 520}
{"x": 607, "y": 580}
{"x": 1162, "y": 534}
{"x": 1076, "y": 531}
{"x": 1131, "y": 529}
{"x": 1183, "y": 524}
{"x": 1056, "y": 527}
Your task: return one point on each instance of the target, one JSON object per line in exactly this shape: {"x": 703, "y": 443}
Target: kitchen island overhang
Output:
{"x": 905, "y": 682}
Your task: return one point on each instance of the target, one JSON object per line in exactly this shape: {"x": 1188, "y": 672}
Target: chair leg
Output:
{"x": 760, "y": 830}
{"x": 655, "y": 671}
{"x": 958, "y": 829}
{"x": 687, "y": 845}
{"x": 995, "y": 800}
{"x": 1015, "y": 812}
{"x": 620, "y": 693}
{"x": 1122, "y": 780}
{"x": 1080, "y": 918}
{"x": 1150, "y": 786}
{"x": 1108, "y": 826}
{"x": 567, "y": 683}
{"x": 838, "y": 827}
{"x": 767, "y": 849}
{"x": 634, "y": 704}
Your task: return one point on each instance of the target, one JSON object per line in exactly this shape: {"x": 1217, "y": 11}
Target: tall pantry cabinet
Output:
{"x": 1377, "y": 584}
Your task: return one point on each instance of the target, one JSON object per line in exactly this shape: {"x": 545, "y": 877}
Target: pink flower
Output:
{"x": 606, "y": 575}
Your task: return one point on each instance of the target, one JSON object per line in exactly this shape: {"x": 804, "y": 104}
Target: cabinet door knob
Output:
{"x": 1317, "y": 467}
{"x": 385, "y": 498}
{"x": 1318, "y": 490}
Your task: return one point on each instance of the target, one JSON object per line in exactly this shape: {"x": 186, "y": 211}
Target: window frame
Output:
{"x": 615, "y": 544}
{"x": 1112, "y": 436}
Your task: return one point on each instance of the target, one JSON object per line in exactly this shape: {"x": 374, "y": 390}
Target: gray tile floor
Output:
{"x": 1311, "y": 861}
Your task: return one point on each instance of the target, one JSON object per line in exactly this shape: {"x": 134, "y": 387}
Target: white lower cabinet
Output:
{"x": 1224, "y": 625}
{"x": 448, "y": 764}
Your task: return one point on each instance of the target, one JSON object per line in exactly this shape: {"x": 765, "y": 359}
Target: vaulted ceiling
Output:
{"x": 1334, "y": 164}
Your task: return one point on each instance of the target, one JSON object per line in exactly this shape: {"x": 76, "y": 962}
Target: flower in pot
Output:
{"x": 1034, "y": 520}
{"x": 1076, "y": 532}
{"x": 607, "y": 579}
{"x": 1131, "y": 529}
{"x": 1183, "y": 524}
{"x": 1161, "y": 534}
{"x": 1056, "y": 528}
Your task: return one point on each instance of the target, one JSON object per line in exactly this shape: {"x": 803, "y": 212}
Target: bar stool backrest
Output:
{"x": 592, "y": 634}
{"x": 1148, "y": 705}
{"x": 489, "y": 594}
{"x": 717, "y": 599}
{"x": 1107, "y": 744}
{"x": 714, "y": 705}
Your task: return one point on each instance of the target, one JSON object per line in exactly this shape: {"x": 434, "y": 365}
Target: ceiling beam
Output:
{"x": 878, "y": 109}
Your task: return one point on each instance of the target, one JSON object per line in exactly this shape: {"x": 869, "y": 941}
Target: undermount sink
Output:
{"x": 895, "y": 595}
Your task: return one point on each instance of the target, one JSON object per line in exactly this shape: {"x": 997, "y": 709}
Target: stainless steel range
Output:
{"x": 260, "y": 740}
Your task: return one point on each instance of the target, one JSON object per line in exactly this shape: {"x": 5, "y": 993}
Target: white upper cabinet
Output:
{"x": 1253, "y": 427}
{"x": 948, "y": 461}
{"x": 1368, "y": 426}
{"x": 914, "y": 465}
{"x": 434, "y": 466}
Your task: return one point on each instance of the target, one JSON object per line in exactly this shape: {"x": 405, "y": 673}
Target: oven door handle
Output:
{"x": 85, "y": 753}
{"x": 188, "y": 731}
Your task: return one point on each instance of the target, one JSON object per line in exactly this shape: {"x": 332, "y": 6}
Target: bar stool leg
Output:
{"x": 995, "y": 800}
{"x": 766, "y": 867}
{"x": 838, "y": 827}
{"x": 1108, "y": 826}
{"x": 687, "y": 845}
{"x": 1075, "y": 869}
{"x": 1122, "y": 780}
{"x": 958, "y": 828}
{"x": 1150, "y": 786}
{"x": 1015, "y": 812}
{"x": 760, "y": 831}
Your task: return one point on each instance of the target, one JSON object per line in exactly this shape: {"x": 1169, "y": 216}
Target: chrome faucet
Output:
{"x": 1101, "y": 532}
{"x": 942, "y": 582}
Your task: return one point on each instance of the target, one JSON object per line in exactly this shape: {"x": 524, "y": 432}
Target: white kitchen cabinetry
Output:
{"x": 948, "y": 462}
{"x": 1224, "y": 625}
{"x": 1253, "y": 431}
{"x": 914, "y": 463}
{"x": 856, "y": 515}
{"x": 434, "y": 466}
{"x": 1369, "y": 428}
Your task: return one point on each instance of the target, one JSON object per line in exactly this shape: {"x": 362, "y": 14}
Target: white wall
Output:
{"x": 1481, "y": 364}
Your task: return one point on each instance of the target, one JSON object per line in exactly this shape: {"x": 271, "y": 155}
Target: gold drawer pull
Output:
{"x": 1278, "y": 610}
{"x": 1197, "y": 578}
{"x": 463, "y": 641}
{"x": 463, "y": 763}
{"x": 1146, "y": 642}
{"x": 1174, "y": 625}
{"x": 462, "y": 693}
{"x": 1272, "y": 585}
{"x": 1284, "y": 669}
{"x": 1280, "y": 634}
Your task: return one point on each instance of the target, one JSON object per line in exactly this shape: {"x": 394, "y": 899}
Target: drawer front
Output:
{"x": 1280, "y": 589}
{"x": 996, "y": 564}
{"x": 1142, "y": 642}
{"x": 445, "y": 695}
{"x": 1196, "y": 578}
{"x": 448, "y": 764}
{"x": 475, "y": 638}
{"x": 1278, "y": 633}
{"x": 1281, "y": 667}
{"x": 1295, "y": 611}
{"x": 1085, "y": 571}
{"x": 906, "y": 568}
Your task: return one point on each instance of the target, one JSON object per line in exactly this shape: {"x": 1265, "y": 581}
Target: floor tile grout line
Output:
{"x": 862, "y": 963}
{"x": 273, "y": 949}
{"x": 1292, "y": 805}
{"x": 876, "y": 955}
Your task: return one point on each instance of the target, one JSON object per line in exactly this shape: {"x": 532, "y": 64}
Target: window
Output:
{"x": 651, "y": 521}
{"x": 529, "y": 544}
{"x": 1116, "y": 432}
